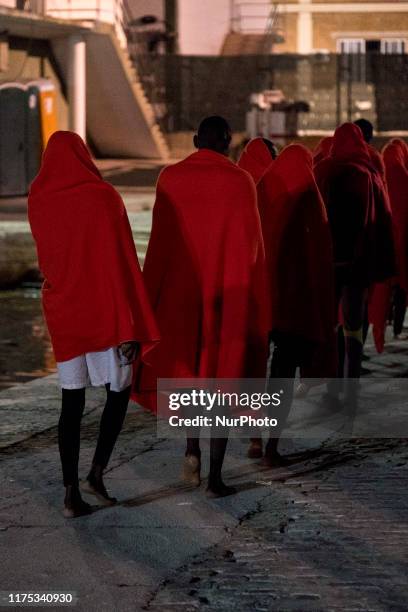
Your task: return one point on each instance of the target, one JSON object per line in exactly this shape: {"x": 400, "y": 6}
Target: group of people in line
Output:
{"x": 295, "y": 251}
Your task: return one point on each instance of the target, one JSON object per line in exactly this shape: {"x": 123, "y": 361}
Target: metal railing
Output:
{"x": 253, "y": 17}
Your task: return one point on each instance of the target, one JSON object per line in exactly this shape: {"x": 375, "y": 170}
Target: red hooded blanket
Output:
{"x": 358, "y": 208}
{"x": 377, "y": 161}
{"x": 395, "y": 156}
{"x": 298, "y": 249}
{"x": 404, "y": 149}
{"x": 205, "y": 273}
{"x": 93, "y": 294}
{"x": 255, "y": 158}
{"x": 397, "y": 182}
{"x": 323, "y": 149}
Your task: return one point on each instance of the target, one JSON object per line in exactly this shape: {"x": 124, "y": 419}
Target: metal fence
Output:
{"x": 337, "y": 88}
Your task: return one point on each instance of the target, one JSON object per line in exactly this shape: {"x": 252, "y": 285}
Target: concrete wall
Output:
{"x": 33, "y": 60}
{"x": 147, "y": 7}
{"x": 202, "y": 26}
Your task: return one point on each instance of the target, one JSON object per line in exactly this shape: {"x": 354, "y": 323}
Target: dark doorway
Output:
{"x": 373, "y": 46}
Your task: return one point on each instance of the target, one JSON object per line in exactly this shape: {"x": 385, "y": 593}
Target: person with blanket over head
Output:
{"x": 392, "y": 294}
{"x": 257, "y": 156}
{"x": 299, "y": 261}
{"x": 205, "y": 274}
{"x": 361, "y": 227}
{"x": 94, "y": 301}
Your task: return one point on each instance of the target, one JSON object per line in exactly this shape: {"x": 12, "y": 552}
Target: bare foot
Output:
{"x": 191, "y": 472}
{"x": 219, "y": 489}
{"x": 74, "y": 505}
{"x": 96, "y": 487}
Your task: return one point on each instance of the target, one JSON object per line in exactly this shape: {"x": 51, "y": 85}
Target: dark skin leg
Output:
{"x": 216, "y": 486}
{"x": 111, "y": 425}
{"x": 69, "y": 430}
{"x": 400, "y": 306}
{"x": 283, "y": 368}
{"x": 193, "y": 444}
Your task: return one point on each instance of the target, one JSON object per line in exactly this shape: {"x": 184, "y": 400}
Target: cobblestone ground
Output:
{"x": 332, "y": 539}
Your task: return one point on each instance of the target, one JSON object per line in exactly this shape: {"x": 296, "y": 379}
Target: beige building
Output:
{"x": 327, "y": 25}
{"x": 234, "y": 27}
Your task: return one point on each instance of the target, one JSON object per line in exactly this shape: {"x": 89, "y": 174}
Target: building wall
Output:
{"x": 329, "y": 27}
{"x": 147, "y": 7}
{"x": 290, "y": 28}
{"x": 33, "y": 60}
{"x": 324, "y": 28}
{"x": 202, "y": 26}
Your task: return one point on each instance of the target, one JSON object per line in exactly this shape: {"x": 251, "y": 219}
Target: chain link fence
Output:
{"x": 183, "y": 89}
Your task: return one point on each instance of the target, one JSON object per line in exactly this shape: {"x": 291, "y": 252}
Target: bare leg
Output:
{"x": 191, "y": 472}
{"x": 216, "y": 486}
{"x": 69, "y": 435}
{"x": 111, "y": 425}
{"x": 400, "y": 306}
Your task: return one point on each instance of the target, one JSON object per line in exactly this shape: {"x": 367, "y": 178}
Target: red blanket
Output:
{"x": 323, "y": 149}
{"x": 377, "y": 161}
{"x": 205, "y": 273}
{"x": 298, "y": 248}
{"x": 357, "y": 207}
{"x": 255, "y": 158}
{"x": 93, "y": 294}
{"x": 403, "y": 148}
{"x": 397, "y": 182}
{"x": 395, "y": 156}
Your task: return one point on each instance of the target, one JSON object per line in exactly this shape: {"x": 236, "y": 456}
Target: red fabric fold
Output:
{"x": 377, "y": 161}
{"x": 395, "y": 156}
{"x": 255, "y": 158}
{"x": 205, "y": 273}
{"x": 358, "y": 208}
{"x": 298, "y": 251}
{"x": 93, "y": 294}
{"x": 397, "y": 181}
{"x": 322, "y": 149}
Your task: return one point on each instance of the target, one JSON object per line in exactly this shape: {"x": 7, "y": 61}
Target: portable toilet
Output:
{"x": 27, "y": 120}
{"x": 48, "y": 108}
{"x": 13, "y": 176}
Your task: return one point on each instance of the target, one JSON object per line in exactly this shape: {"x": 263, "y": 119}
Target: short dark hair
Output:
{"x": 366, "y": 127}
{"x": 213, "y": 133}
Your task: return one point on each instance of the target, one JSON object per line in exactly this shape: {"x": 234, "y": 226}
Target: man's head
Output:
{"x": 367, "y": 128}
{"x": 272, "y": 148}
{"x": 213, "y": 133}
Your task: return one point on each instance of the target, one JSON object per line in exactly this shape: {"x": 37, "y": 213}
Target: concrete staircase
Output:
{"x": 120, "y": 119}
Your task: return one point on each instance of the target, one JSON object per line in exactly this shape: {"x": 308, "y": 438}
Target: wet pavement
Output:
{"x": 25, "y": 350}
{"x": 327, "y": 532}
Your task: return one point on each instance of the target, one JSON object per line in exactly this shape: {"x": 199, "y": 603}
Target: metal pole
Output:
{"x": 339, "y": 62}
{"x": 232, "y": 15}
{"x": 77, "y": 85}
{"x": 349, "y": 88}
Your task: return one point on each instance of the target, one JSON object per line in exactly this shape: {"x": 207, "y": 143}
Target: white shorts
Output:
{"x": 95, "y": 369}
